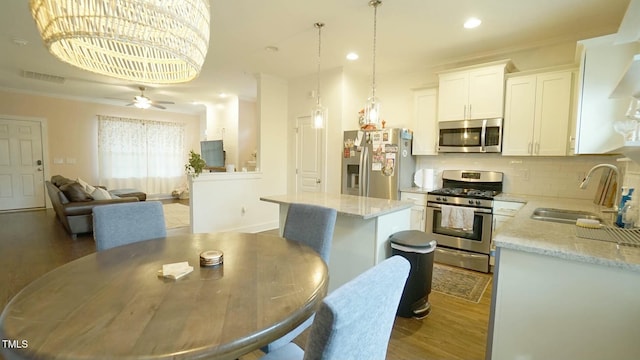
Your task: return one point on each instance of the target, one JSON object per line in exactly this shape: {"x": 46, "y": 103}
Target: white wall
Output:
{"x": 300, "y": 104}
{"x": 272, "y": 154}
{"x": 72, "y": 129}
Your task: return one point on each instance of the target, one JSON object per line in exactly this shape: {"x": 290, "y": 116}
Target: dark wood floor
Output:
{"x": 33, "y": 243}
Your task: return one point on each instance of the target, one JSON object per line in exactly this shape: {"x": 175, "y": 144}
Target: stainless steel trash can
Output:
{"x": 418, "y": 249}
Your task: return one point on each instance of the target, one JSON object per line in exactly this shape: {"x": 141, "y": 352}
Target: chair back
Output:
{"x": 126, "y": 223}
{"x": 355, "y": 320}
{"x": 311, "y": 225}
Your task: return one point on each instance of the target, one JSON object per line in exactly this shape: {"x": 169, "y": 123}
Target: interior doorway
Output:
{"x": 21, "y": 164}
{"x": 309, "y": 159}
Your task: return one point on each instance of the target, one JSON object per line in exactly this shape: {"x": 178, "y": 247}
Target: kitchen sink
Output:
{"x": 562, "y": 216}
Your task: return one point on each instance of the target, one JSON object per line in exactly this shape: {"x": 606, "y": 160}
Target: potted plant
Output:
{"x": 195, "y": 165}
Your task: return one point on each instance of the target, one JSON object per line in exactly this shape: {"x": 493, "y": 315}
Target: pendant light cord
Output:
{"x": 319, "y": 26}
{"x": 375, "y": 4}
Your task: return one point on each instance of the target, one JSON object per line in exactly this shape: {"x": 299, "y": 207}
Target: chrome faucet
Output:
{"x": 585, "y": 182}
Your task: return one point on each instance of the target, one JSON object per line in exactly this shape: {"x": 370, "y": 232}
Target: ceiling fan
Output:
{"x": 143, "y": 102}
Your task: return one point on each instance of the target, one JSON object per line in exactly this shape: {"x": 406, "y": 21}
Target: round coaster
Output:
{"x": 211, "y": 258}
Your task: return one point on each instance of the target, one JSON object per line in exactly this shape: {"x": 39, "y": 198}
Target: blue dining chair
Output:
{"x": 126, "y": 223}
{"x": 355, "y": 320}
{"x": 313, "y": 226}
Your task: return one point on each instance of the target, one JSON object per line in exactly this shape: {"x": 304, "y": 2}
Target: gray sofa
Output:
{"x": 73, "y": 207}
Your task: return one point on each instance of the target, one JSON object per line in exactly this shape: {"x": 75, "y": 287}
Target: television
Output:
{"x": 212, "y": 152}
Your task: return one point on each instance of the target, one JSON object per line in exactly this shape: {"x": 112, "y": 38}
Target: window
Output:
{"x": 141, "y": 154}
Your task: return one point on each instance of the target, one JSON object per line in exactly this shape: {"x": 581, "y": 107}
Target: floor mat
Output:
{"x": 465, "y": 284}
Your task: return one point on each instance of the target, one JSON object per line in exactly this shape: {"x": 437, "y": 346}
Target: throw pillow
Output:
{"x": 75, "y": 192}
{"x": 100, "y": 194}
{"x": 88, "y": 188}
{"x": 59, "y": 180}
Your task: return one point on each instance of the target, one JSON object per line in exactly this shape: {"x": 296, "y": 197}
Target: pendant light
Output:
{"x": 319, "y": 113}
{"x": 372, "y": 107}
{"x": 142, "y": 41}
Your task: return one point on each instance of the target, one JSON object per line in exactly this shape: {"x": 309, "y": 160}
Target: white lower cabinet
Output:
{"x": 547, "y": 307}
{"x": 537, "y": 114}
{"x": 418, "y": 211}
{"x": 503, "y": 211}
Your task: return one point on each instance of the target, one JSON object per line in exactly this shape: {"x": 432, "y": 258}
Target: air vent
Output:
{"x": 43, "y": 77}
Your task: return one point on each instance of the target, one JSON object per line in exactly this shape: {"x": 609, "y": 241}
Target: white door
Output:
{"x": 21, "y": 169}
{"x": 309, "y": 166}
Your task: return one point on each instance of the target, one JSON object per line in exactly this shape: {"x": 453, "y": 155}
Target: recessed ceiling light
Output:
{"x": 20, "y": 42}
{"x": 472, "y": 23}
{"x": 352, "y": 56}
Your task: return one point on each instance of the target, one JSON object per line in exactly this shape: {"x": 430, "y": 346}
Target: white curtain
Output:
{"x": 140, "y": 154}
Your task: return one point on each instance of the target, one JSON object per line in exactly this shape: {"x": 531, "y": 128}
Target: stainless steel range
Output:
{"x": 464, "y": 192}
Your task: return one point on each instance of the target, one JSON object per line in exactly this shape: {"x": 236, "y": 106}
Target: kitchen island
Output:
{"x": 362, "y": 229}
{"x": 560, "y": 296}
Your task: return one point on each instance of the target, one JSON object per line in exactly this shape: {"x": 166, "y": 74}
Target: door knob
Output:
{"x": 39, "y": 162}
{"x": 39, "y": 169}
{"x": 317, "y": 181}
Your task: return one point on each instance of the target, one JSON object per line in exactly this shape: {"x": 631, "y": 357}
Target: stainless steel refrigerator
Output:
{"x": 377, "y": 163}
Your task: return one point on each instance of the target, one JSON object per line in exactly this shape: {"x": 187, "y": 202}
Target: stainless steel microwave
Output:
{"x": 470, "y": 136}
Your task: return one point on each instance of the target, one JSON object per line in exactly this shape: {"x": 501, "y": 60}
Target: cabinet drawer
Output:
{"x": 418, "y": 199}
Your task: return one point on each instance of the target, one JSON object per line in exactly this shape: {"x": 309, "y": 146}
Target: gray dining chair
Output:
{"x": 313, "y": 226}
{"x": 126, "y": 223}
{"x": 355, "y": 320}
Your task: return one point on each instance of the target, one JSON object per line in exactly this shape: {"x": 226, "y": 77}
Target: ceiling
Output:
{"x": 412, "y": 35}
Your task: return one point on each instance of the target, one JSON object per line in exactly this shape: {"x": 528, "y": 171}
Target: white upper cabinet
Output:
{"x": 537, "y": 114}
{"x": 425, "y": 135}
{"x": 603, "y": 64}
{"x": 472, "y": 93}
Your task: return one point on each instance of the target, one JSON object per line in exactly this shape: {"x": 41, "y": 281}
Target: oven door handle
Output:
{"x": 476, "y": 210}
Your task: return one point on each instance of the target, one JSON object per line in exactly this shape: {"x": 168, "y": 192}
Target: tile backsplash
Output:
{"x": 539, "y": 176}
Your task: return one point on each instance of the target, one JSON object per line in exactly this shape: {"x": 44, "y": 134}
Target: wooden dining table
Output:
{"x": 113, "y": 304}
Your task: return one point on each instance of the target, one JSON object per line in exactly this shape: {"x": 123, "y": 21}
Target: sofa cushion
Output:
{"x": 75, "y": 192}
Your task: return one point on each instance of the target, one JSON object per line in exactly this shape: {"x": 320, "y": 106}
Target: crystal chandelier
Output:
{"x": 372, "y": 107}
{"x": 144, "y": 41}
{"x": 319, "y": 113}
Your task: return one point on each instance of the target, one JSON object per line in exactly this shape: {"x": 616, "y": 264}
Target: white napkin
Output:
{"x": 175, "y": 270}
{"x": 457, "y": 217}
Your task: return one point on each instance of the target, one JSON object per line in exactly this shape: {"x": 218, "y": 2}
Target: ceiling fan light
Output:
{"x": 142, "y": 104}
{"x": 136, "y": 40}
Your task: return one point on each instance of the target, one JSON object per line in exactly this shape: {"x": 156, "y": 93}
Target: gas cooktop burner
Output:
{"x": 464, "y": 192}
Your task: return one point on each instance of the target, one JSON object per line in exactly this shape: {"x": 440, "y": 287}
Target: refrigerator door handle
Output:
{"x": 361, "y": 180}
{"x": 364, "y": 170}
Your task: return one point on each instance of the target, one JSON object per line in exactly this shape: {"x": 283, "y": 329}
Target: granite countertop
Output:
{"x": 560, "y": 240}
{"x": 359, "y": 206}
{"x": 417, "y": 190}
